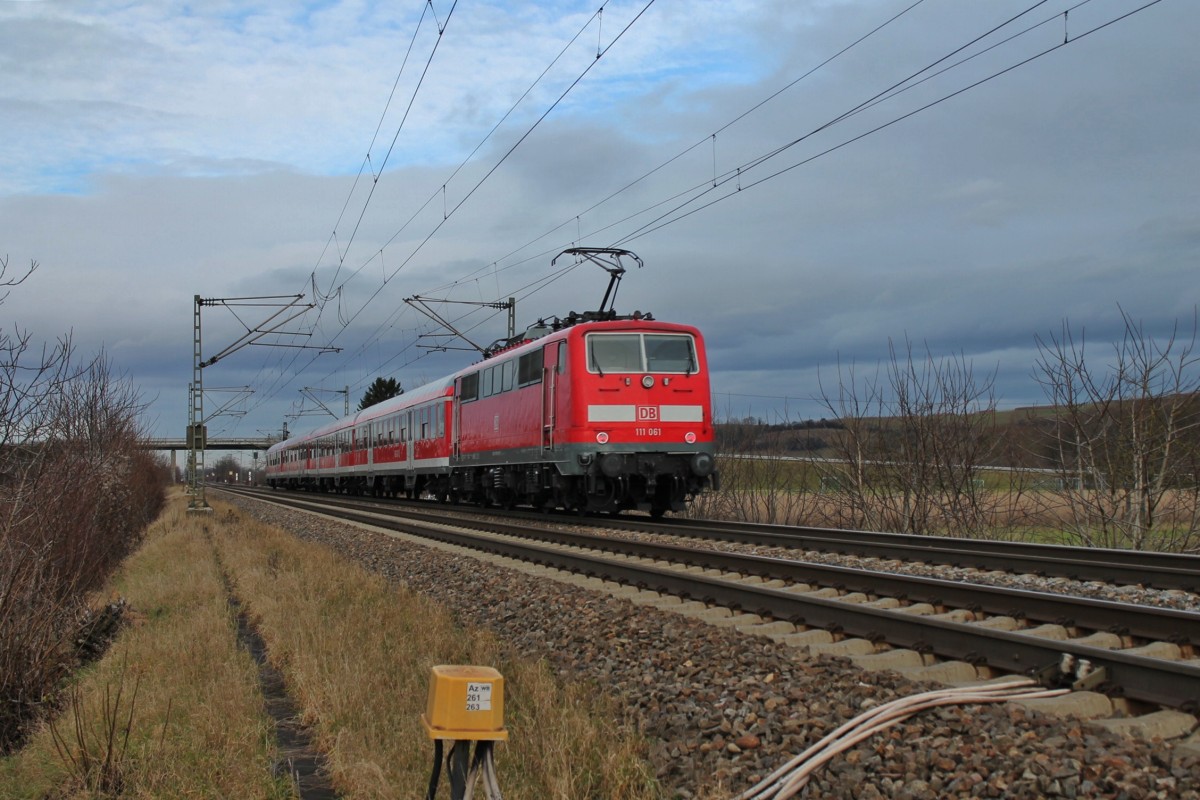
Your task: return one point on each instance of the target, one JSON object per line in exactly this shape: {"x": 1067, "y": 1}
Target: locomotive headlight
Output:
{"x": 647, "y": 381}
{"x": 702, "y": 464}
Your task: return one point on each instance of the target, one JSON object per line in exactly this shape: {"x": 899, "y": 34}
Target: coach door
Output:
{"x": 455, "y": 416}
{"x": 410, "y": 439}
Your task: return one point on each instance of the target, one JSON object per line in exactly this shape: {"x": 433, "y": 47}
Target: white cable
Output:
{"x": 490, "y": 781}
{"x": 793, "y": 776}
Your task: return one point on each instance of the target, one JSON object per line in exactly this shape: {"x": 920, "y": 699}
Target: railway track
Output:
{"x": 1149, "y": 569}
{"x": 1122, "y": 567}
{"x": 1139, "y": 653}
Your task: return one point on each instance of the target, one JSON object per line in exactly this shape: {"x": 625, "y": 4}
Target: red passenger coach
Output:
{"x": 596, "y": 415}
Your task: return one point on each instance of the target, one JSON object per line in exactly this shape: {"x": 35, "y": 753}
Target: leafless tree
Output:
{"x": 1126, "y": 436}
{"x": 919, "y": 434}
{"x": 761, "y": 481}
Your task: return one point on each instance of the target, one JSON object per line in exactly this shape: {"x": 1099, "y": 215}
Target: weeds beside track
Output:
{"x": 355, "y": 655}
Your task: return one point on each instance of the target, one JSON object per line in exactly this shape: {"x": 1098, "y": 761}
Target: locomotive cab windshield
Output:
{"x": 641, "y": 352}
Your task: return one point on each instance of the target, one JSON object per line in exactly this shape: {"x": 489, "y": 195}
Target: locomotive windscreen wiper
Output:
{"x": 592, "y": 353}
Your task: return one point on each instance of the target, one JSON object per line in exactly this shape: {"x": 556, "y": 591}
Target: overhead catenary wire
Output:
{"x": 599, "y": 53}
{"x": 667, "y": 219}
{"x": 345, "y": 324}
{"x": 734, "y": 181}
{"x": 367, "y": 158}
{"x": 441, "y": 190}
{"x": 471, "y": 192}
{"x": 738, "y": 173}
{"x": 682, "y": 153}
{"x": 322, "y": 298}
{"x": 395, "y": 138}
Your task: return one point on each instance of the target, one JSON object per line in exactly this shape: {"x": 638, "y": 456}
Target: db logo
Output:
{"x": 647, "y": 413}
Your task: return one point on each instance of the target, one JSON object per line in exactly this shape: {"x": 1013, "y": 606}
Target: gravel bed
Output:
{"x": 722, "y": 709}
{"x": 1139, "y": 595}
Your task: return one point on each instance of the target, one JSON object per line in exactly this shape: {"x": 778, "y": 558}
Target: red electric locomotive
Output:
{"x": 592, "y": 413}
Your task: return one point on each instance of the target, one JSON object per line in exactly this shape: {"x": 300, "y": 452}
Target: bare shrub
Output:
{"x": 1125, "y": 437}
{"x": 75, "y": 494}
{"x": 95, "y": 750}
{"x": 760, "y": 480}
{"x": 916, "y": 455}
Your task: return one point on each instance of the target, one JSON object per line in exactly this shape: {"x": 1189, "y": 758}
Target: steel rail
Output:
{"x": 1124, "y": 619}
{"x": 1128, "y": 567}
{"x": 1167, "y": 683}
{"x": 1122, "y": 567}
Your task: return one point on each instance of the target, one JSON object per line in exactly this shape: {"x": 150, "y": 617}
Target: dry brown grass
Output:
{"x": 357, "y": 655}
{"x": 189, "y": 722}
{"x": 174, "y": 709}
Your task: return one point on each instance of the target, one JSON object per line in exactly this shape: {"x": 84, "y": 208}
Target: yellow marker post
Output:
{"x": 465, "y": 704}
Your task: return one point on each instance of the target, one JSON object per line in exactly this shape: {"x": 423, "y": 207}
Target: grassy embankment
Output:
{"x": 356, "y": 654}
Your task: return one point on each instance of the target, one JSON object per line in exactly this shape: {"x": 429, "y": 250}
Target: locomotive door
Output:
{"x": 549, "y": 395}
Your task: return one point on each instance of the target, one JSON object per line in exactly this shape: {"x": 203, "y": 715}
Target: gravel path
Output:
{"x": 722, "y": 709}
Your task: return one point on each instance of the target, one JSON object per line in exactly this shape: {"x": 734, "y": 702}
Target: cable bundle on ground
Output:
{"x": 792, "y": 777}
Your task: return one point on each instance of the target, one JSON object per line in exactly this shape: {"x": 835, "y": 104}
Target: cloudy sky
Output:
{"x": 966, "y": 177}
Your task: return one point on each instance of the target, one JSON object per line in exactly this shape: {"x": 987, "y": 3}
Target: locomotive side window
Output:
{"x": 488, "y": 379}
{"x": 507, "y": 371}
{"x": 669, "y": 353}
{"x": 468, "y": 387}
{"x": 529, "y": 368}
